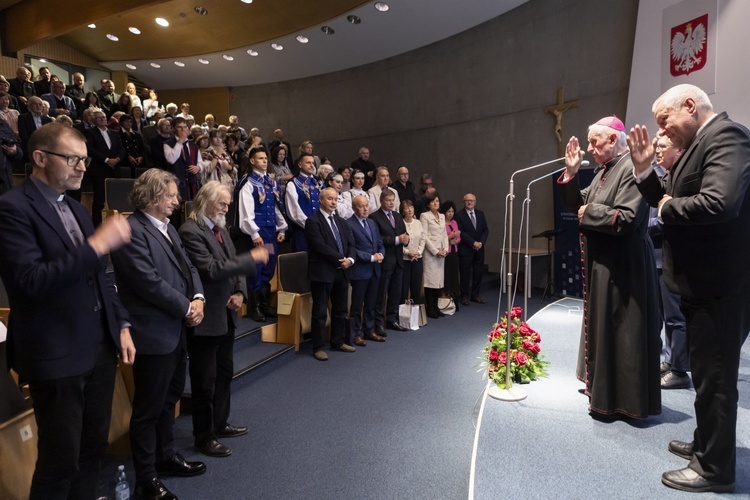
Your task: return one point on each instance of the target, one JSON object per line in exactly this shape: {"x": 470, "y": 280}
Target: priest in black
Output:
{"x": 620, "y": 344}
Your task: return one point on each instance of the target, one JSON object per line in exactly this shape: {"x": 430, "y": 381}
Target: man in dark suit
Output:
{"x": 106, "y": 153}
{"x": 67, "y": 322}
{"x": 163, "y": 294}
{"x": 704, "y": 204}
{"x": 210, "y": 344}
{"x": 365, "y": 274}
{"x": 393, "y": 232}
{"x": 107, "y": 96}
{"x": 59, "y": 103}
{"x": 9, "y": 151}
{"x": 29, "y": 122}
{"x": 43, "y": 84}
{"x": 474, "y": 233}
{"x": 22, "y": 87}
{"x": 330, "y": 254}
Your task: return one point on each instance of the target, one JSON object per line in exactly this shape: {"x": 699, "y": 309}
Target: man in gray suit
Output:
{"x": 210, "y": 344}
{"x": 163, "y": 293}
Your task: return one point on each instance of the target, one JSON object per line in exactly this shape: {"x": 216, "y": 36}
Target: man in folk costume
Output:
{"x": 619, "y": 353}
{"x": 302, "y": 200}
{"x": 259, "y": 220}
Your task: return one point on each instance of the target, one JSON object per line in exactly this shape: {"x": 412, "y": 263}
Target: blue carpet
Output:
{"x": 547, "y": 446}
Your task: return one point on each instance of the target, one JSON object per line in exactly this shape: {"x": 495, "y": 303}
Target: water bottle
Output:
{"x": 122, "y": 488}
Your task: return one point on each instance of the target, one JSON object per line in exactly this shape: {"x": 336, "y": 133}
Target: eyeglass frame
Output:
{"x": 78, "y": 159}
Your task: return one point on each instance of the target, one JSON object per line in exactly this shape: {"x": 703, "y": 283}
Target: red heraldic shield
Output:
{"x": 688, "y": 46}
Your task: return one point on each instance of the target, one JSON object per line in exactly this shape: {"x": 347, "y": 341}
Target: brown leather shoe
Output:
{"x": 344, "y": 348}
{"x": 320, "y": 356}
{"x": 374, "y": 337}
{"x": 477, "y": 299}
{"x": 359, "y": 341}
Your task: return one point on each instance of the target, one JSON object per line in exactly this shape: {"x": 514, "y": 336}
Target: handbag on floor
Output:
{"x": 422, "y": 315}
{"x": 447, "y": 306}
{"x": 408, "y": 315}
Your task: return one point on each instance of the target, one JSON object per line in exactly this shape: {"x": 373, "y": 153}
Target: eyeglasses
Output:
{"x": 72, "y": 160}
{"x": 662, "y": 147}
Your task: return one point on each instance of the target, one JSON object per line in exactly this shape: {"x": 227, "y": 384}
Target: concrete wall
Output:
{"x": 468, "y": 109}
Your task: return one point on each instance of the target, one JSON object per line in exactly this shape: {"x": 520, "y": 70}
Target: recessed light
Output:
{"x": 252, "y": 52}
{"x": 228, "y": 57}
{"x": 112, "y": 37}
{"x": 42, "y": 60}
{"x": 203, "y": 61}
{"x": 200, "y": 10}
{"x": 302, "y": 39}
{"x": 162, "y": 22}
{"x": 179, "y": 64}
{"x": 353, "y": 19}
{"x": 92, "y": 25}
{"x": 382, "y": 6}
{"x": 327, "y": 30}
{"x": 277, "y": 46}
{"x": 155, "y": 65}
{"x": 246, "y": 1}
{"x": 130, "y": 66}
{"x": 134, "y": 30}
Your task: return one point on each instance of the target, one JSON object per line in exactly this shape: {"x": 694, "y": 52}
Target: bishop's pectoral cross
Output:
{"x": 557, "y": 110}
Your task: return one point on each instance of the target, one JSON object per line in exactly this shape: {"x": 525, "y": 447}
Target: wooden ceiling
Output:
{"x": 227, "y": 24}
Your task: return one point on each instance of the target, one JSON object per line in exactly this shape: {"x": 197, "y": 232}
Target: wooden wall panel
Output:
{"x": 202, "y": 101}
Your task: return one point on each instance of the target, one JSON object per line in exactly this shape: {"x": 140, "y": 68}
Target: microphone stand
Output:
{"x": 512, "y": 392}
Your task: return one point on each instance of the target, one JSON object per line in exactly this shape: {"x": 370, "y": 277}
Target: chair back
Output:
{"x": 292, "y": 268}
{"x": 116, "y": 193}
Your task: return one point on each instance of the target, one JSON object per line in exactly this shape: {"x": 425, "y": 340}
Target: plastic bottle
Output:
{"x": 122, "y": 488}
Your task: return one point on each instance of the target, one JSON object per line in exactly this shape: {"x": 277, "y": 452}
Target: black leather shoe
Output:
{"x": 688, "y": 480}
{"x": 213, "y": 448}
{"x": 477, "y": 299}
{"x": 671, "y": 380}
{"x": 465, "y": 301}
{"x": 681, "y": 449}
{"x": 664, "y": 368}
{"x": 396, "y": 326}
{"x": 380, "y": 331}
{"x": 153, "y": 489}
{"x": 177, "y": 466}
{"x": 230, "y": 431}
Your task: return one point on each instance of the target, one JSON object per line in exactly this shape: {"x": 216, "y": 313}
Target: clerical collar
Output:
{"x": 49, "y": 193}
{"x": 611, "y": 163}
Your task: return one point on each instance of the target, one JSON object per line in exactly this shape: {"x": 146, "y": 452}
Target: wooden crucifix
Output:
{"x": 557, "y": 111}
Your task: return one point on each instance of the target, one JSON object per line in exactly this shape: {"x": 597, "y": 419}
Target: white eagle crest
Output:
{"x": 686, "y": 47}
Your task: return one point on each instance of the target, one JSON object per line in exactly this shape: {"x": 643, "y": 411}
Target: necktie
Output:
{"x": 473, "y": 220}
{"x": 217, "y": 233}
{"x": 366, "y": 228}
{"x": 336, "y": 235}
{"x": 390, "y": 218}
{"x": 185, "y": 153}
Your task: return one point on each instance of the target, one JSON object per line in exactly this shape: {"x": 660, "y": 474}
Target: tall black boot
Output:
{"x": 252, "y": 307}
{"x": 265, "y": 303}
{"x": 430, "y": 300}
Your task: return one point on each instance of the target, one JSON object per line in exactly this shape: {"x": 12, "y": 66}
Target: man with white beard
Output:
{"x": 210, "y": 343}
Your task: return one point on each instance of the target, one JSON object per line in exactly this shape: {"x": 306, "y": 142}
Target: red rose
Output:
{"x": 536, "y": 337}
{"x": 502, "y": 358}
{"x": 521, "y": 358}
{"x": 528, "y": 345}
{"x": 512, "y": 328}
{"x": 536, "y": 349}
{"x": 516, "y": 312}
{"x": 524, "y": 330}
{"x": 493, "y": 355}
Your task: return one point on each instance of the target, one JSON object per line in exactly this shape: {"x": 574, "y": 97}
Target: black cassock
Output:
{"x": 618, "y": 358}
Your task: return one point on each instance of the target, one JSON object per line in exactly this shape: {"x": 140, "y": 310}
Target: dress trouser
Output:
{"x": 716, "y": 329}
{"x": 362, "y": 309}
{"x": 471, "y": 266}
{"x": 411, "y": 280}
{"x": 73, "y": 416}
{"x": 211, "y": 369}
{"x": 338, "y": 292}
{"x": 159, "y": 381}
{"x": 675, "y": 344}
{"x": 389, "y": 295}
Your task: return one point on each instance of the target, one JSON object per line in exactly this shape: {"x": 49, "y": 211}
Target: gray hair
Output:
{"x": 209, "y": 193}
{"x": 675, "y": 97}
{"x": 149, "y": 187}
{"x": 605, "y": 131}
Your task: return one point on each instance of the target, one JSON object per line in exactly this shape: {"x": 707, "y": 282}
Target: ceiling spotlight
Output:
{"x": 130, "y": 66}
{"x": 203, "y": 61}
{"x": 353, "y": 19}
{"x": 179, "y": 64}
{"x": 302, "y": 39}
{"x": 112, "y": 37}
{"x": 92, "y": 25}
{"x": 134, "y": 30}
{"x": 327, "y": 30}
{"x": 252, "y": 52}
{"x": 246, "y": 1}
{"x": 42, "y": 60}
{"x": 162, "y": 22}
{"x": 200, "y": 10}
{"x": 228, "y": 57}
{"x": 382, "y": 6}
{"x": 155, "y": 65}
{"x": 277, "y": 46}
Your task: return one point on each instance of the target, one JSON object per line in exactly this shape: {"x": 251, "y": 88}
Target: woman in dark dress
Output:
{"x": 452, "y": 286}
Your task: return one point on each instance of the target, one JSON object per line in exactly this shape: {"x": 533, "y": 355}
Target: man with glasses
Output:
{"x": 68, "y": 323}
{"x": 474, "y": 234}
{"x": 106, "y": 152}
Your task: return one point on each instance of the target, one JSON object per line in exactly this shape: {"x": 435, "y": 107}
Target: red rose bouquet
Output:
{"x": 525, "y": 361}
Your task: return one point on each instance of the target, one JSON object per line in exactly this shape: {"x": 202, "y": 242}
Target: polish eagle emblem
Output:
{"x": 688, "y": 46}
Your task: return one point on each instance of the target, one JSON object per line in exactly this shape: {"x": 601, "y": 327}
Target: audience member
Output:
{"x": 29, "y": 122}
{"x": 11, "y": 152}
{"x": 302, "y": 200}
{"x": 9, "y": 116}
{"x": 12, "y": 100}
{"x": 184, "y": 161}
{"x": 474, "y": 234}
{"x": 77, "y": 91}
{"x": 411, "y": 284}
{"x": 382, "y": 181}
{"x": 43, "y": 83}
{"x": 22, "y": 88}
{"x": 451, "y": 286}
{"x": 363, "y": 164}
{"x": 436, "y": 248}
{"x": 403, "y": 186}
{"x": 59, "y": 103}
{"x": 106, "y": 152}
{"x": 132, "y": 144}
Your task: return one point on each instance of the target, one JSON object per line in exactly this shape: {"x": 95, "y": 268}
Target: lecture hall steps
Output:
{"x": 251, "y": 355}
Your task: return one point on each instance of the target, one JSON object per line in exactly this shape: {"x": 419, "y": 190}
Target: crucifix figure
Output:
{"x": 557, "y": 110}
